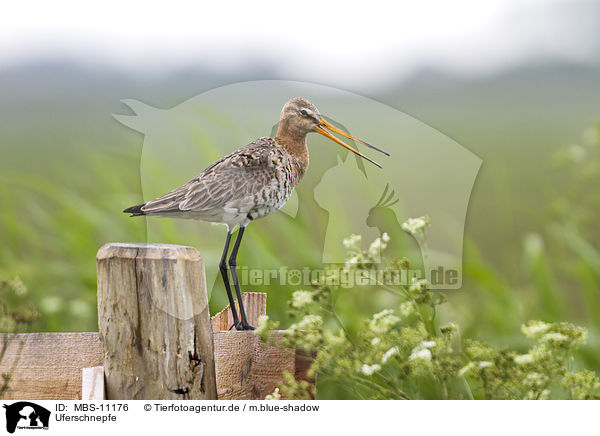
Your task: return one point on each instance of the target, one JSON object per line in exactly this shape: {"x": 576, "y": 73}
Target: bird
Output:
{"x": 249, "y": 183}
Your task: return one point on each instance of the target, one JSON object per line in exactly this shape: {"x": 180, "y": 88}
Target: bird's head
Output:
{"x": 299, "y": 116}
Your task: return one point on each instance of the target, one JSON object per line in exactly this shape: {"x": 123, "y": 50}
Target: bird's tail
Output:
{"x": 135, "y": 210}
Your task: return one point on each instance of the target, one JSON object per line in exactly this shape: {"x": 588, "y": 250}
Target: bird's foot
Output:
{"x": 241, "y": 325}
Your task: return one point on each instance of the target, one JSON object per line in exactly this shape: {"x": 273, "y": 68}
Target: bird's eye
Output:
{"x": 303, "y": 112}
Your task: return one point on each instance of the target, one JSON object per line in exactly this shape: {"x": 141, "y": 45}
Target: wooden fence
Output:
{"x": 156, "y": 339}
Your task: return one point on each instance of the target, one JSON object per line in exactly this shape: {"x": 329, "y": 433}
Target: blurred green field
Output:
{"x": 67, "y": 169}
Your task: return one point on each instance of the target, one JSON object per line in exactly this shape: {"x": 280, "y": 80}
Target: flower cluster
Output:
{"x": 415, "y": 226}
{"x": 562, "y": 334}
{"x": 402, "y": 353}
{"x": 359, "y": 258}
{"x": 301, "y": 299}
{"x": 383, "y": 321}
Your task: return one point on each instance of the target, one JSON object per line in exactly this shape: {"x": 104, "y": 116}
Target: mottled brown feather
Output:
{"x": 254, "y": 179}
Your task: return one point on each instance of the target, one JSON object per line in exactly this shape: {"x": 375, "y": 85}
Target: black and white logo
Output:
{"x": 26, "y": 415}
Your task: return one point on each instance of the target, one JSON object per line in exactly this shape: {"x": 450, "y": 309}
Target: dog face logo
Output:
{"x": 26, "y": 415}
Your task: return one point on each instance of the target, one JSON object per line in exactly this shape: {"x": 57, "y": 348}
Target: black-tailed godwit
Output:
{"x": 249, "y": 183}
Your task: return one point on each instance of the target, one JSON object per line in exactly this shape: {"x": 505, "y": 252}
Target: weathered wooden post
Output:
{"x": 154, "y": 322}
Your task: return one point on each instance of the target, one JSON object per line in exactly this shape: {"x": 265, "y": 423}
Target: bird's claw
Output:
{"x": 241, "y": 325}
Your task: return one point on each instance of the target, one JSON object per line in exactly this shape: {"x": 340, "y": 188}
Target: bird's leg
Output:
{"x": 244, "y": 325}
{"x": 224, "y": 274}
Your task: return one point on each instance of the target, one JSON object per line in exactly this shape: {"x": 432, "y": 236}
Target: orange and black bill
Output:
{"x": 324, "y": 124}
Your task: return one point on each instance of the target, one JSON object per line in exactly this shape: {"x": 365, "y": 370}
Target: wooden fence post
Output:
{"x": 154, "y": 322}
{"x": 247, "y": 369}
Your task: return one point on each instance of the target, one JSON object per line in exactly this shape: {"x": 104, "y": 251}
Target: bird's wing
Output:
{"x": 231, "y": 182}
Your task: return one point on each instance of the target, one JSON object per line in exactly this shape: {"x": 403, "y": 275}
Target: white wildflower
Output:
{"x": 422, "y": 351}
{"x": 535, "y": 329}
{"x": 18, "y": 286}
{"x": 308, "y": 331}
{"x": 376, "y": 247}
{"x": 407, "y": 308}
{"x": 485, "y": 364}
{"x": 375, "y": 341}
{"x": 309, "y": 322}
{"x": 274, "y": 396}
{"x": 385, "y": 237}
{"x": 535, "y": 379}
{"x": 263, "y": 324}
{"x": 352, "y": 261}
{"x": 523, "y": 359}
{"x": 301, "y": 299}
{"x": 535, "y": 395}
{"x": 415, "y": 225}
{"x": 554, "y": 337}
{"x": 419, "y": 285}
{"x": 383, "y": 321}
{"x": 370, "y": 369}
{"x": 389, "y": 353}
{"x": 420, "y": 354}
{"x": 352, "y": 242}
{"x": 539, "y": 352}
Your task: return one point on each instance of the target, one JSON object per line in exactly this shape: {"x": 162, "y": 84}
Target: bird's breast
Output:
{"x": 277, "y": 192}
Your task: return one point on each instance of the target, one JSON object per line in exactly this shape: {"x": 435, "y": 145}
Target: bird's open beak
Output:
{"x": 321, "y": 130}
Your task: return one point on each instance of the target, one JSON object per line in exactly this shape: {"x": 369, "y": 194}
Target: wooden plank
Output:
{"x": 255, "y": 304}
{"x": 92, "y": 383}
{"x": 154, "y": 322}
{"x": 246, "y": 370}
{"x": 53, "y": 366}
{"x": 48, "y": 366}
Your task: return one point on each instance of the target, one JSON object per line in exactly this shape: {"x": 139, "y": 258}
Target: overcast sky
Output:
{"x": 348, "y": 42}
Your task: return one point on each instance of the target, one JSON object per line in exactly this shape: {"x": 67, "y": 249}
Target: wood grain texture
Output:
{"x": 48, "y": 366}
{"x": 247, "y": 370}
{"x": 255, "y": 304}
{"x": 154, "y": 322}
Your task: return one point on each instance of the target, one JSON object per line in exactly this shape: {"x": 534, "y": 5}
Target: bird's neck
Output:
{"x": 293, "y": 141}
